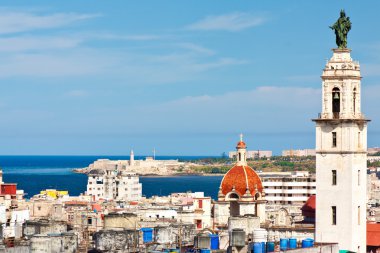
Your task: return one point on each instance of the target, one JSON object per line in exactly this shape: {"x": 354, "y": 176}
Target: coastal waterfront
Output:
{"x": 35, "y": 173}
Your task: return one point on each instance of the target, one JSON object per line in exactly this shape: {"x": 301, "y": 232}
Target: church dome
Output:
{"x": 240, "y": 178}
{"x": 241, "y": 144}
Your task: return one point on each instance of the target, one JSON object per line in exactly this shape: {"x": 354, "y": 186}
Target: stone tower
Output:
{"x": 341, "y": 156}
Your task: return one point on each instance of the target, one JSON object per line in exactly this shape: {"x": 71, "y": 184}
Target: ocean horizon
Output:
{"x": 36, "y": 173}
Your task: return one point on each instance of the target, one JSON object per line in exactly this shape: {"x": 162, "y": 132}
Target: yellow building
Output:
{"x": 53, "y": 193}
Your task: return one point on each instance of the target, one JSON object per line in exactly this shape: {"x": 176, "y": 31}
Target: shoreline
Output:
{"x": 182, "y": 175}
{"x": 79, "y": 171}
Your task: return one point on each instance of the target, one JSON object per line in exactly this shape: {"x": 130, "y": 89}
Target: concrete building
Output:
{"x": 197, "y": 211}
{"x": 288, "y": 188}
{"x": 298, "y": 152}
{"x": 113, "y": 185}
{"x": 252, "y": 154}
{"x": 241, "y": 191}
{"x": 341, "y": 156}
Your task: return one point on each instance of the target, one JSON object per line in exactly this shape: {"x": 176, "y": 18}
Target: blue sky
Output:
{"x": 184, "y": 77}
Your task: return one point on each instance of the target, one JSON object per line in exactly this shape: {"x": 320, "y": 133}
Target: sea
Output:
{"x": 35, "y": 173}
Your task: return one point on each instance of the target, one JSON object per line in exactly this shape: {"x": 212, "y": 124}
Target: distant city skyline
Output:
{"x": 183, "y": 78}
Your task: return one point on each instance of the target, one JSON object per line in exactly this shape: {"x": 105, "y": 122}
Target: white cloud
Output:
{"x": 47, "y": 64}
{"x": 15, "y": 22}
{"x": 232, "y": 22}
{"x": 264, "y": 109}
{"x": 196, "y": 48}
{"x": 26, "y": 43}
{"x": 131, "y": 37}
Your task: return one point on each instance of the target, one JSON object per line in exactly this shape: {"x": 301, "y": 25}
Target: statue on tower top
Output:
{"x": 341, "y": 27}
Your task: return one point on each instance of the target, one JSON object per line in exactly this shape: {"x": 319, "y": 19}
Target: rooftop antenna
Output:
{"x": 154, "y": 153}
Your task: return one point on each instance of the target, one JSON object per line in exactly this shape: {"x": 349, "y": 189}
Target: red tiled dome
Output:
{"x": 241, "y": 144}
{"x": 240, "y": 177}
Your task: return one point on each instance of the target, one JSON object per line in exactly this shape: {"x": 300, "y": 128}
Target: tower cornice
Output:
{"x": 337, "y": 121}
{"x": 341, "y": 78}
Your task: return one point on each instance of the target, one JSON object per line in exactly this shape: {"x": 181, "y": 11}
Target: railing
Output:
{"x": 335, "y": 115}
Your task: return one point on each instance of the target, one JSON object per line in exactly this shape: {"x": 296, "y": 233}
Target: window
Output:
{"x": 200, "y": 203}
{"x": 334, "y": 177}
{"x": 358, "y": 215}
{"x": 359, "y": 141}
{"x": 359, "y": 177}
{"x": 334, "y": 139}
{"x": 333, "y": 211}
{"x": 199, "y": 224}
{"x": 89, "y": 221}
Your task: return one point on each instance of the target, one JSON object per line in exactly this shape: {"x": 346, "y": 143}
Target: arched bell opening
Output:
{"x": 336, "y": 102}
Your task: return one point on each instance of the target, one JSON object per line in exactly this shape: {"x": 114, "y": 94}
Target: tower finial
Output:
{"x": 241, "y": 137}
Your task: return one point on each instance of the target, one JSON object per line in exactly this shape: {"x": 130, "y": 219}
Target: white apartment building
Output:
{"x": 288, "y": 188}
{"x": 252, "y": 154}
{"x": 298, "y": 152}
{"x": 112, "y": 184}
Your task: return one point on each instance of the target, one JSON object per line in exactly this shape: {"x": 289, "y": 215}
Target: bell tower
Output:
{"x": 241, "y": 152}
{"x": 341, "y": 156}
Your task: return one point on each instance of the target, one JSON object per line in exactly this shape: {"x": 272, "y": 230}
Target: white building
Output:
{"x": 298, "y": 152}
{"x": 341, "y": 156}
{"x": 251, "y": 154}
{"x": 113, "y": 184}
{"x": 198, "y": 211}
{"x": 288, "y": 188}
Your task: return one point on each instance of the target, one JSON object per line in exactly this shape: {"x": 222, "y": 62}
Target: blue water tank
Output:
{"x": 292, "y": 243}
{"x": 284, "y": 244}
{"x": 205, "y": 251}
{"x": 270, "y": 247}
{"x": 311, "y": 241}
{"x": 306, "y": 243}
{"x": 263, "y": 249}
{"x": 214, "y": 241}
{"x": 257, "y": 247}
{"x": 147, "y": 234}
